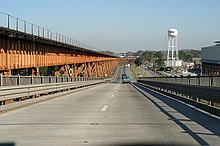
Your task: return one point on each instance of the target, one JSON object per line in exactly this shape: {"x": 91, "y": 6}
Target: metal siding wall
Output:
{"x": 211, "y": 53}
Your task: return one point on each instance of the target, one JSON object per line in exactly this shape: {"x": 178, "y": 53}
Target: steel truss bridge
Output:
{"x": 24, "y": 45}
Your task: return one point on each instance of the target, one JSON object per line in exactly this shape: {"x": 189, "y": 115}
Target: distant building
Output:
{"x": 211, "y": 60}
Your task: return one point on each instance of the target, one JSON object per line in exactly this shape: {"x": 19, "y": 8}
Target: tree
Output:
{"x": 195, "y": 53}
{"x": 147, "y": 56}
{"x": 129, "y": 54}
{"x": 109, "y": 52}
{"x": 139, "y": 53}
{"x": 138, "y": 61}
{"x": 158, "y": 54}
{"x": 186, "y": 57}
{"x": 43, "y": 70}
{"x": 160, "y": 61}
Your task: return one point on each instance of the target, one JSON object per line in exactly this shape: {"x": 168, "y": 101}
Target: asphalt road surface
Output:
{"x": 108, "y": 114}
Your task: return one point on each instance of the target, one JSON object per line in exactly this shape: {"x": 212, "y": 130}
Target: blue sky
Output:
{"x": 124, "y": 25}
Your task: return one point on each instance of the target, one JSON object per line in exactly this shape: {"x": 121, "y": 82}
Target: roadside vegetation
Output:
{"x": 136, "y": 71}
{"x": 158, "y": 57}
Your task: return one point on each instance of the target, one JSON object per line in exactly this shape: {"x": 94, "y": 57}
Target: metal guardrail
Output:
{"x": 211, "y": 81}
{"x": 200, "y": 92}
{"x": 203, "y": 97}
{"x": 23, "y": 92}
{"x": 32, "y": 80}
{"x": 14, "y": 23}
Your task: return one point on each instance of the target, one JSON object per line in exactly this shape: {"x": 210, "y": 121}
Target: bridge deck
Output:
{"x": 110, "y": 114}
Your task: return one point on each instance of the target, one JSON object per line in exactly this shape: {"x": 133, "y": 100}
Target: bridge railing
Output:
{"x": 25, "y": 88}
{"x": 192, "y": 90}
{"x": 31, "y": 80}
{"x": 211, "y": 81}
{"x": 14, "y": 23}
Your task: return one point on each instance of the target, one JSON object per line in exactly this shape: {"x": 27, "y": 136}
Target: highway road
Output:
{"x": 109, "y": 114}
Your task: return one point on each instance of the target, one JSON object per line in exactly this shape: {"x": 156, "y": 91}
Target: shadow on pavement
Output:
{"x": 7, "y": 144}
{"x": 207, "y": 121}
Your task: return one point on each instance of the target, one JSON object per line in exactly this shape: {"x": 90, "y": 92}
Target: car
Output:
{"x": 161, "y": 69}
{"x": 123, "y": 75}
{"x": 126, "y": 79}
{"x": 168, "y": 69}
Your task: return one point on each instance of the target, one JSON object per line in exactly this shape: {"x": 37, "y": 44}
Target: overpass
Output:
{"x": 24, "y": 45}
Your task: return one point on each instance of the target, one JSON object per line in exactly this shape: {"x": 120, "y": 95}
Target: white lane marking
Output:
{"x": 104, "y": 108}
{"x": 112, "y": 95}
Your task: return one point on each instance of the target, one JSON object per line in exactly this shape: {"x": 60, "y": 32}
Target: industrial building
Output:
{"x": 211, "y": 60}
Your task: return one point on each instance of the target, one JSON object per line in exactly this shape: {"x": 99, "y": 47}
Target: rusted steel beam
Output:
{"x": 93, "y": 70}
{"x": 22, "y": 58}
{"x": 75, "y": 72}
{"x": 22, "y": 51}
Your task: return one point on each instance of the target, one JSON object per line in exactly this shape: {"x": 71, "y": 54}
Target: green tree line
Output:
{"x": 158, "y": 57}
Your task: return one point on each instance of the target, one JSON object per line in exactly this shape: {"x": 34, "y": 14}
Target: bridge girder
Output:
{"x": 21, "y": 51}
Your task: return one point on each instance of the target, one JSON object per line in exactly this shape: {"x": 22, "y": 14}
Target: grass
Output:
{"x": 135, "y": 70}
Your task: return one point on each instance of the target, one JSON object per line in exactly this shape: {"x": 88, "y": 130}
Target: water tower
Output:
{"x": 172, "y": 53}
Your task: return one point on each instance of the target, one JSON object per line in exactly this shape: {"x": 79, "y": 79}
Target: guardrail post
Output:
{"x": 48, "y": 34}
{"x": 25, "y": 27}
{"x": 32, "y": 29}
{"x": 42, "y": 79}
{"x": 50, "y": 79}
{"x": 19, "y": 80}
{"x": 1, "y": 80}
{"x": 181, "y": 76}
{"x": 198, "y": 78}
{"x": 210, "y": 81}
{"x": 17, "y": 24}
{"x": 38, "y": 27}
{"x": 189, "y": 79}
{"x": 32, "y": 78}
{"x": 43, "y": 32}
{"x": 8, "y": 21}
